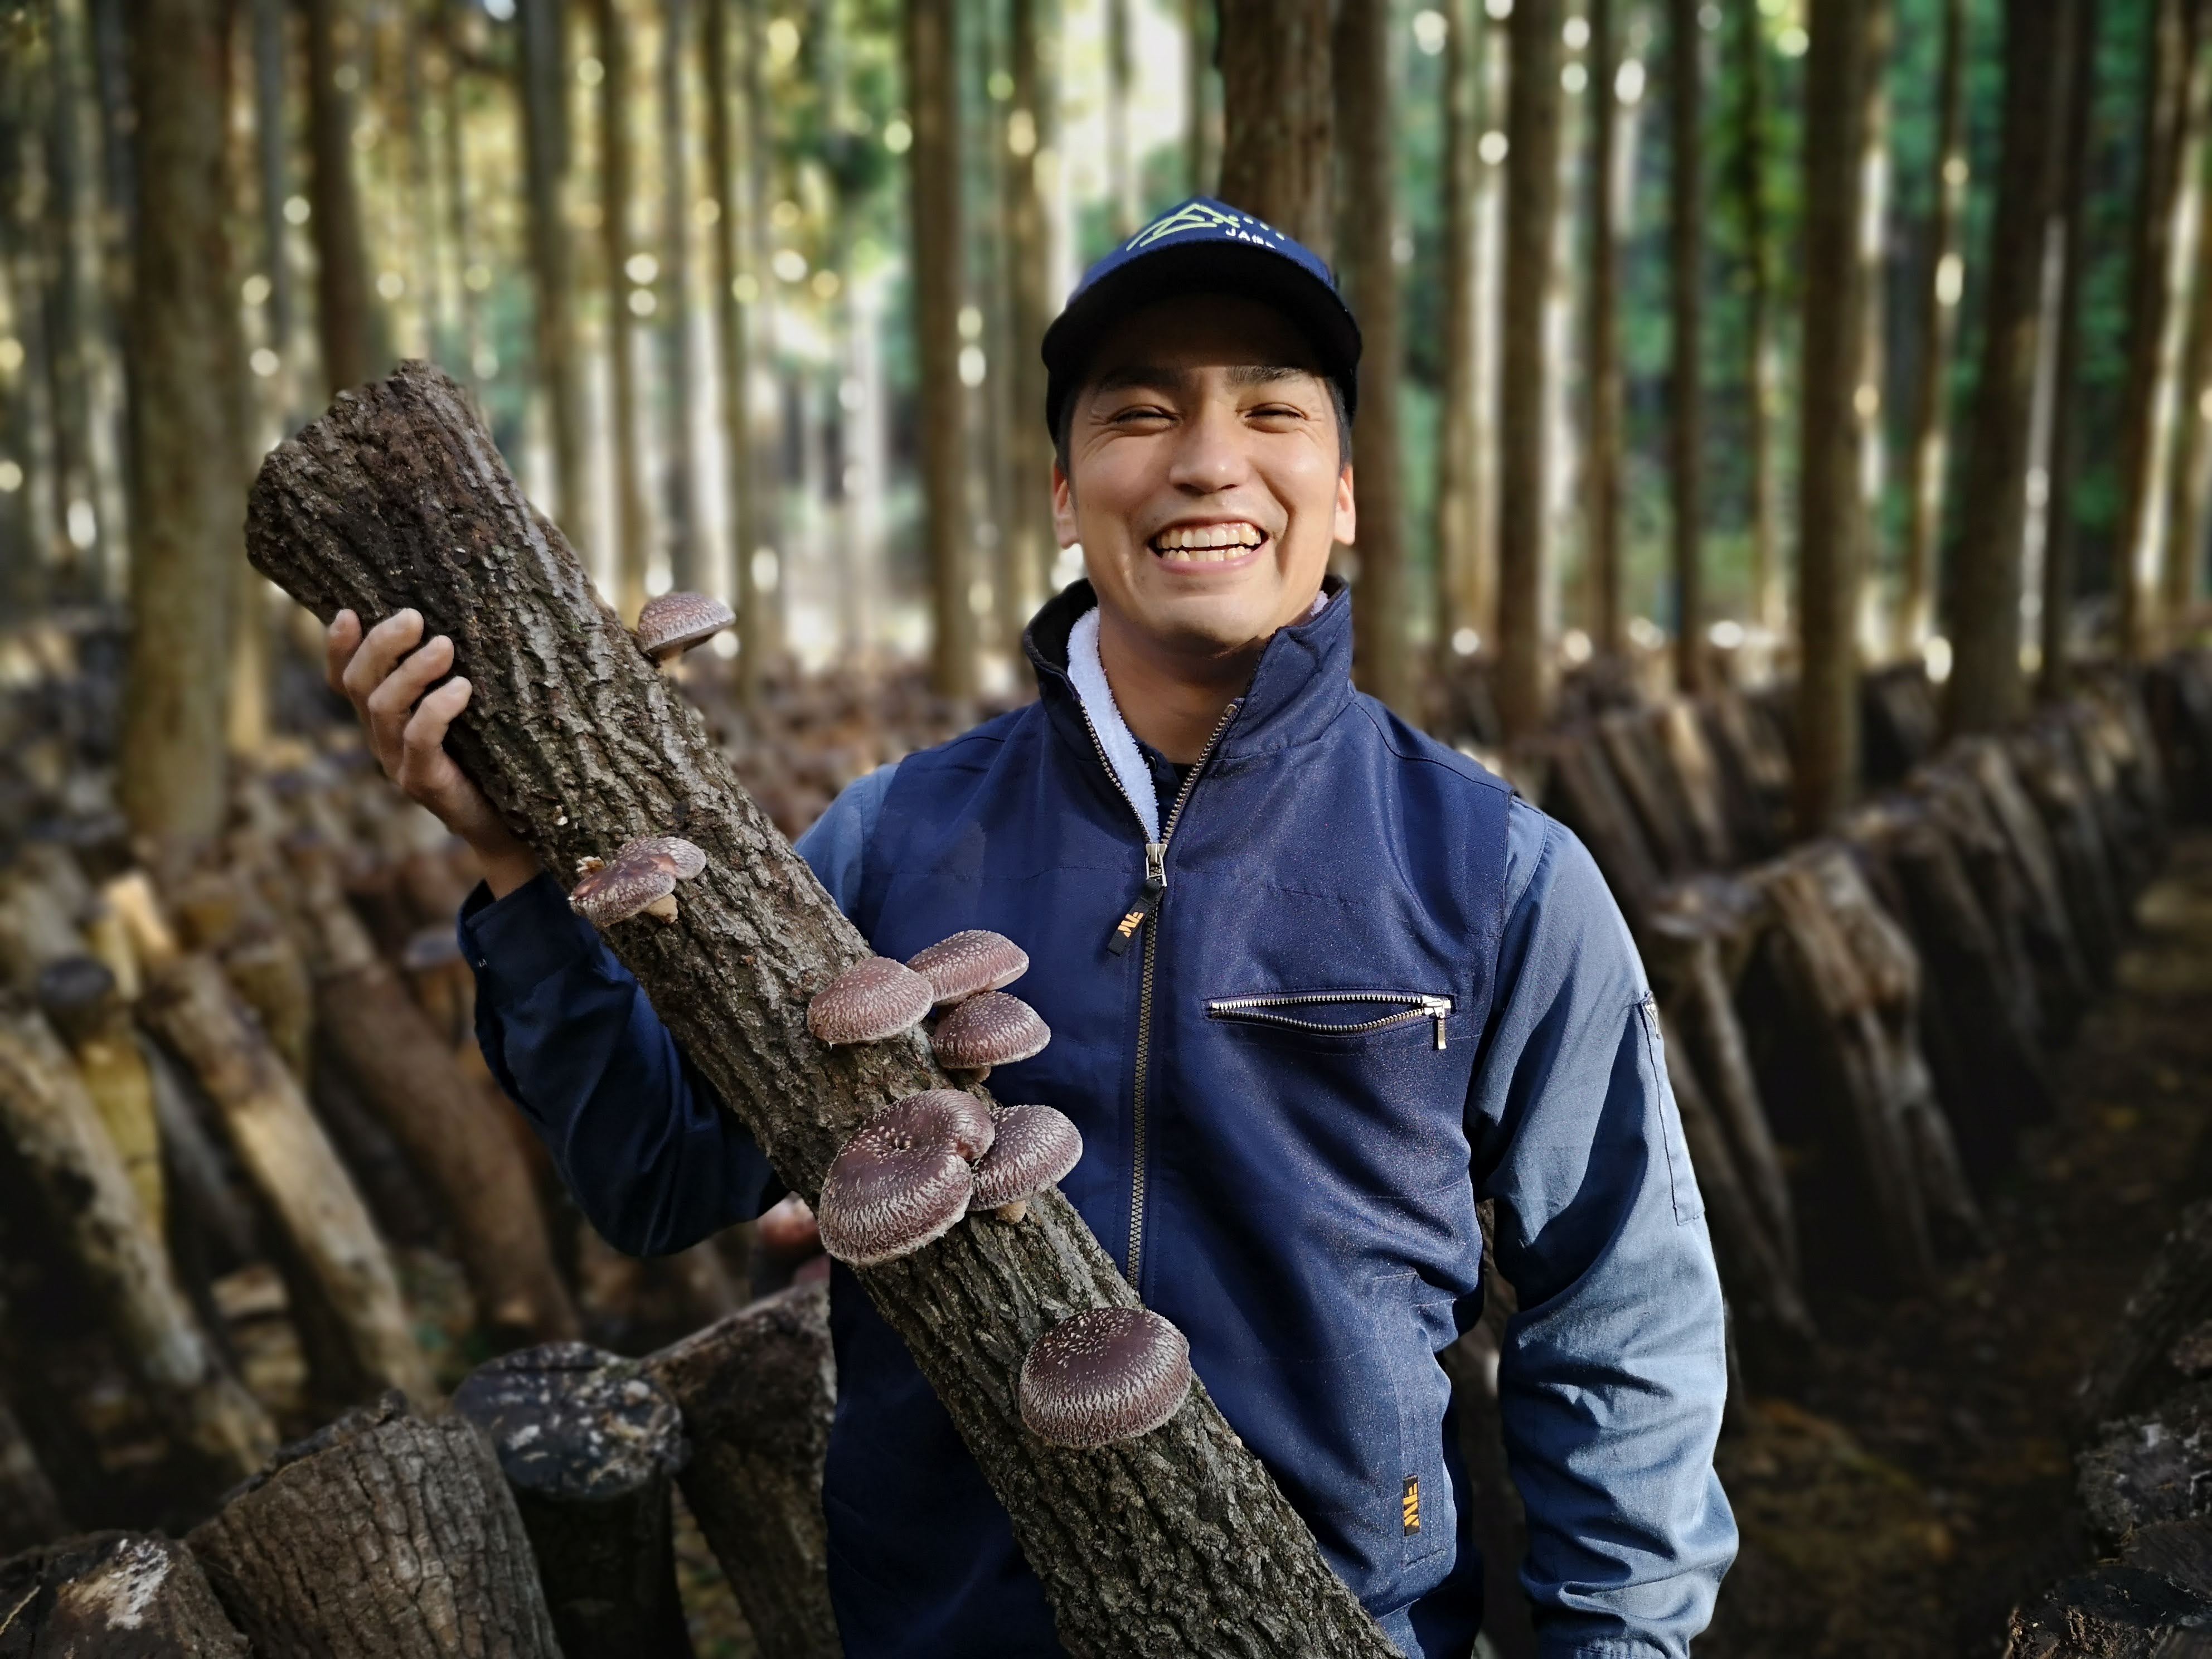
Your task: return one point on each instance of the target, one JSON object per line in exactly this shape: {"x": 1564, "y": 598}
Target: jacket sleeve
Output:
{"x": 1614, "y": 1369}
{"x": 655, "y": 1160}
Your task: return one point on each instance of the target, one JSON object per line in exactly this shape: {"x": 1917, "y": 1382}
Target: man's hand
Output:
{"x": 387, "y": 679}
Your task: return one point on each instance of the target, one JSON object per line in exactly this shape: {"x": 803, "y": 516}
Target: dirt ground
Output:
{"x": 1918, "y": 1479}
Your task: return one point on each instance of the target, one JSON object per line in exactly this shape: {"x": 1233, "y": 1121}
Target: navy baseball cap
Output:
{"x": 1203, "y": 247}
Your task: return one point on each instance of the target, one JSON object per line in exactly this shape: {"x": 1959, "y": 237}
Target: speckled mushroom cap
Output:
{"x": 615, "y": 892}
{"x": 970, "y": 962}
{"x": 876, "y": 998}
{"x": 675, "y": 623}
{"x": 990, "y": 1030}
{"x": 672, "y": 853}
{"x": 896, "y": 1185}
{"x": 1107, "y": 1374}
{"x": 1034, "y": 1148}
{"x": 953, "y": 1115}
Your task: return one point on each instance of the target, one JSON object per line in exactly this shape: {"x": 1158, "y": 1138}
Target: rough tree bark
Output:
{"x": 933, "y": 98}
{"x": 170, "y": 777}
{"x": 2060, "y": 532}
{"x": 1382, "y": 655}
{"x": 1601, "y": 459}
{"x": 1830, "y": 506}
{"x": 329, "y": 1549}
{"x": 1986, "y": 691}
{"x": 1277, "y": 149}
{"x": 1532, "y": 208}
{"x": 112, "y": 1595}
{"x": 632, "y": 528}
{"x": 589, "y": 1446}
{"x": 56, "y": 1132}
{"x": 1176, "y": 1544}
{"x": 341, "y": 312}
{"x": 756, "y": 1390}
{"x": 1939, "y": 330}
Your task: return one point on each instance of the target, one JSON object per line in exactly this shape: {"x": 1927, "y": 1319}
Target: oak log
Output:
{"x": 1178, "y": 1543}
{"x": 112, "y": 1595}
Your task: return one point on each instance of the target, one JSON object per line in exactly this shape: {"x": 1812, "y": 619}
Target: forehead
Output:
{"x": 1201, "y": 331}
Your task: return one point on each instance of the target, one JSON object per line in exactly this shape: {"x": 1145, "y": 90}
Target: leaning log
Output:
{"x": 46, "y": 1117}
{"x": 191, "y": 1007}
{"x": 381, "y": 1537}
{"x": 2141, "y": 1470}
{"x": 756, "y": 1390}
{"x": 589, "y": 1445}
{"x": 1179, "y": 1543}
{"x": 79, "y": 995}
{"x": 2112, "y": 1613}
{"x": 112, "y": 1595}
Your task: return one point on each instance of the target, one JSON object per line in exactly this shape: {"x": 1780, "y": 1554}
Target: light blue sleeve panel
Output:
{"x": 835, "y": 845}
{"x": 1614, "y": 1369}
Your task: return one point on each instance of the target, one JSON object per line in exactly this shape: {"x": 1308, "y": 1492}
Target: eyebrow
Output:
{"x": 1149, "y": 374}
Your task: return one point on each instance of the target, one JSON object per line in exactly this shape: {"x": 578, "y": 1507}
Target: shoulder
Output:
{"x": 1416, "y": 748}
{"x": 976, "y": 750}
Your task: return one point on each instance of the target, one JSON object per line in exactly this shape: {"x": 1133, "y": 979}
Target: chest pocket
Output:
{"x": 1337, "y": 1018}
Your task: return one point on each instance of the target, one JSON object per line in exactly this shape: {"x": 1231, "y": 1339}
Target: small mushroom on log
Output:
{"x": 903, "y": 1180}
{"x": 672, "y": 624}
{"x": 875, "y": 999}
{"x": 987, "y": 1030}
{"x": 381, "y": 1537}
{"x": 112, "y": 1595}
{"x": 589, "y": 1444}
{"x": 968, "y": 963}
{"x": 1034, "y": 1148}
{"x": 1104, "y": 1375}
{"x": 616, "y": 892}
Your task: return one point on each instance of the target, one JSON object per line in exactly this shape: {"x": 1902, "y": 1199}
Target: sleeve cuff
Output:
{"x": 522, "y": 940}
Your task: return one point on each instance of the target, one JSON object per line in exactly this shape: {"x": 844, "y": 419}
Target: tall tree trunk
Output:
{"x": 460, "y": 225}
{"x": 768, "y": 558}
{"x": 1532, "y": 208}
{"x": 1939, "y": 330}
{"x": 1830, "y": 506}
{"x": 1985, "y": 692}
{"x": 1383, "y": 656}
{"x": 1278, "y": 148}
{"x": 2191, "y": 487}
{"x": 1685, "y": 243}
{"x": 1029, "y": 282}
{"x": 687, "y": 562}
{"x": 544, "y": 64}
{"x": 933, "y": 98}
{"x": 1121, "y": 158}
{"x": 68, "y": 296}
{"x": 342, "y": 307}
{"x": 1602, "y": 460}
{"x": 617, "y": 190}
{"x": 1200, "y": 163}
{"x": 2171, "y": 95}
{"x": 1760, "y": 389}
{"x": 181, "y": 317}
{"x": 1176, "y": 1545}
{"x": 733, "y": 337}
{"x": 1871, "y": 397}
{"x": 1478, "y": 598}
{"x": 2060, "y": 563}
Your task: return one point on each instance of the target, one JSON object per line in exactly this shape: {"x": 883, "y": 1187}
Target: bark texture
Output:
{"x": 1176, "y": 1543}
{"x": 112, "y": 1595}
{"x": 341, "y": 312}
{"x": 588, "y": 1446}
{"x": 379, "y": 1537}
{"x": 1277, "y": 150}
{"x": 756, "y": 1390}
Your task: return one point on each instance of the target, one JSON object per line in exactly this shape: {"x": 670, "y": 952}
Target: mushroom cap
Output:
{"x": 990, "y": 1030}
{"x": 876, "y": 998}
{"x": 951, "y": 1116}
{"x": 672, "y": 853}
{"x": 890, "y": 1191}
{"x": 970, "y": 962}
{"x": 1107, "y": 1374}
{"x": 676, "y": 622}
{"x": 1034, "y": 1148}
{"x": 615, "y": 892}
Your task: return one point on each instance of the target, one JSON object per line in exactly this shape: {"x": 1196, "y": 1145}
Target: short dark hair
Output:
{"x": 1336, "y": 401}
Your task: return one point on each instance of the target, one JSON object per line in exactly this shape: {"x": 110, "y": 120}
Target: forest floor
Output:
{"x": 1919, "y": 1480}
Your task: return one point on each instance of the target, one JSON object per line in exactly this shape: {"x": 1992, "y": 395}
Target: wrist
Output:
{"x": 507, "y": 863}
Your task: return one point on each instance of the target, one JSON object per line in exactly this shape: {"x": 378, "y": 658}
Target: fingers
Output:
{"x": 340, "y": 640}
{"x": 380, "y": 648}
{"x": 425, "y": 769}
{"x": 387, "y": 705}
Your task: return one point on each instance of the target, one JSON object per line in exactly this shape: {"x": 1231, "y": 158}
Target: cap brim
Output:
{"x": 1243, "y": 268}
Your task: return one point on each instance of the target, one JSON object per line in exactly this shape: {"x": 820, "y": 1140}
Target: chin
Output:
{"x": 1212, "y": 623}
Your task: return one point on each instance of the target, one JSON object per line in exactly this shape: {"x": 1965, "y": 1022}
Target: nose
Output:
{"x": 1210, "y": 455}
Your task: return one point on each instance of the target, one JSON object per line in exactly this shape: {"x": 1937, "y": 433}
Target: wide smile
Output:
{"x": 1208, "y": 549}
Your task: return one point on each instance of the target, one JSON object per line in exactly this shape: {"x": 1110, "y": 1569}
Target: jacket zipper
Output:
{"x": 1143, "y": 909}
{"x": 1412, "y": 1006}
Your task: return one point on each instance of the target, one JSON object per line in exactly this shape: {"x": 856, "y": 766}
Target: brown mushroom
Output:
{"x": 670, "y": 853}
{"x": 890, "y": 1190}
{"x": 874, "y": 999}
{"x": 970, "y": 962}
{"x": 616, "y": 892}
{"x": 669, "y": 626}
{"x": 953, "y": 1115}
{"x": 1034, "y": 1148}
{"x": 986, "y": 1031}
{"x": 1107, "y": 1374}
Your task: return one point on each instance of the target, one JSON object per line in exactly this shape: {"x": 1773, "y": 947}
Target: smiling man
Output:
{"x": 1318, "y": 985}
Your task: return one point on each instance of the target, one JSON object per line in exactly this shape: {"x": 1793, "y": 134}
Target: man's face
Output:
{"x": 1203, "y": 476}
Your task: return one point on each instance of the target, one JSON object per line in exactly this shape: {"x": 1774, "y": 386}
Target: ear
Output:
{"x": 1063, "y": 508}
{"x": 1345, "y": 525}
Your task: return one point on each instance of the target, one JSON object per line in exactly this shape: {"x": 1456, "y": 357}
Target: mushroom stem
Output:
{"x": 662, "y": 910}
{"x": 980, "y": 1073}
{"x": 1016, "y": 1211}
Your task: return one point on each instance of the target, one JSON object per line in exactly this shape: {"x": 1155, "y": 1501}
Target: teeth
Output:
{"x": 1206, "y": 544}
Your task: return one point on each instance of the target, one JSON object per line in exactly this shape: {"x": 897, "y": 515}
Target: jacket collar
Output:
{"x": 1302, "y": 685}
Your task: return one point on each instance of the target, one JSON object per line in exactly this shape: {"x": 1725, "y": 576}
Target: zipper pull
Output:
{"x": 1147, "y": 901}
{"x": 1437, "y": 1008}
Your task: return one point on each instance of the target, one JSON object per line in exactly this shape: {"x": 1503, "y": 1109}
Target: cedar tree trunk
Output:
{"x": 542, "y": 61}
{"x": 1029, "y": 256}
{"x": 342, "y": 313}
{"x": 1685, "y": 246}
{"x": 1277, "y": 149}
{"x": 2059, "y": 563}
{"x": 687, "y": 563}
{"x": 1455, "y": 463}
{"x": 1758, "y": 278}
{"x": 1178, "y": 1543}
{"x": 633, "y": 530}
{"x": 1601, "y": 460}
{"x": 733, "y": 336}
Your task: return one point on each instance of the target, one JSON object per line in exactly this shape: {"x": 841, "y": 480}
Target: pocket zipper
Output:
{"x": 1411, "y": 1006}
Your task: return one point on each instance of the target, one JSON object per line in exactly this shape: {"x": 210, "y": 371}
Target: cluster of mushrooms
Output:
{"x": 640, "y": 880}
{"x": 919, "y": 1167}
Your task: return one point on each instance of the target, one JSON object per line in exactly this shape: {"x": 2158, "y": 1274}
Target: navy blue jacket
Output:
{"x": 1377, "y": 988}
